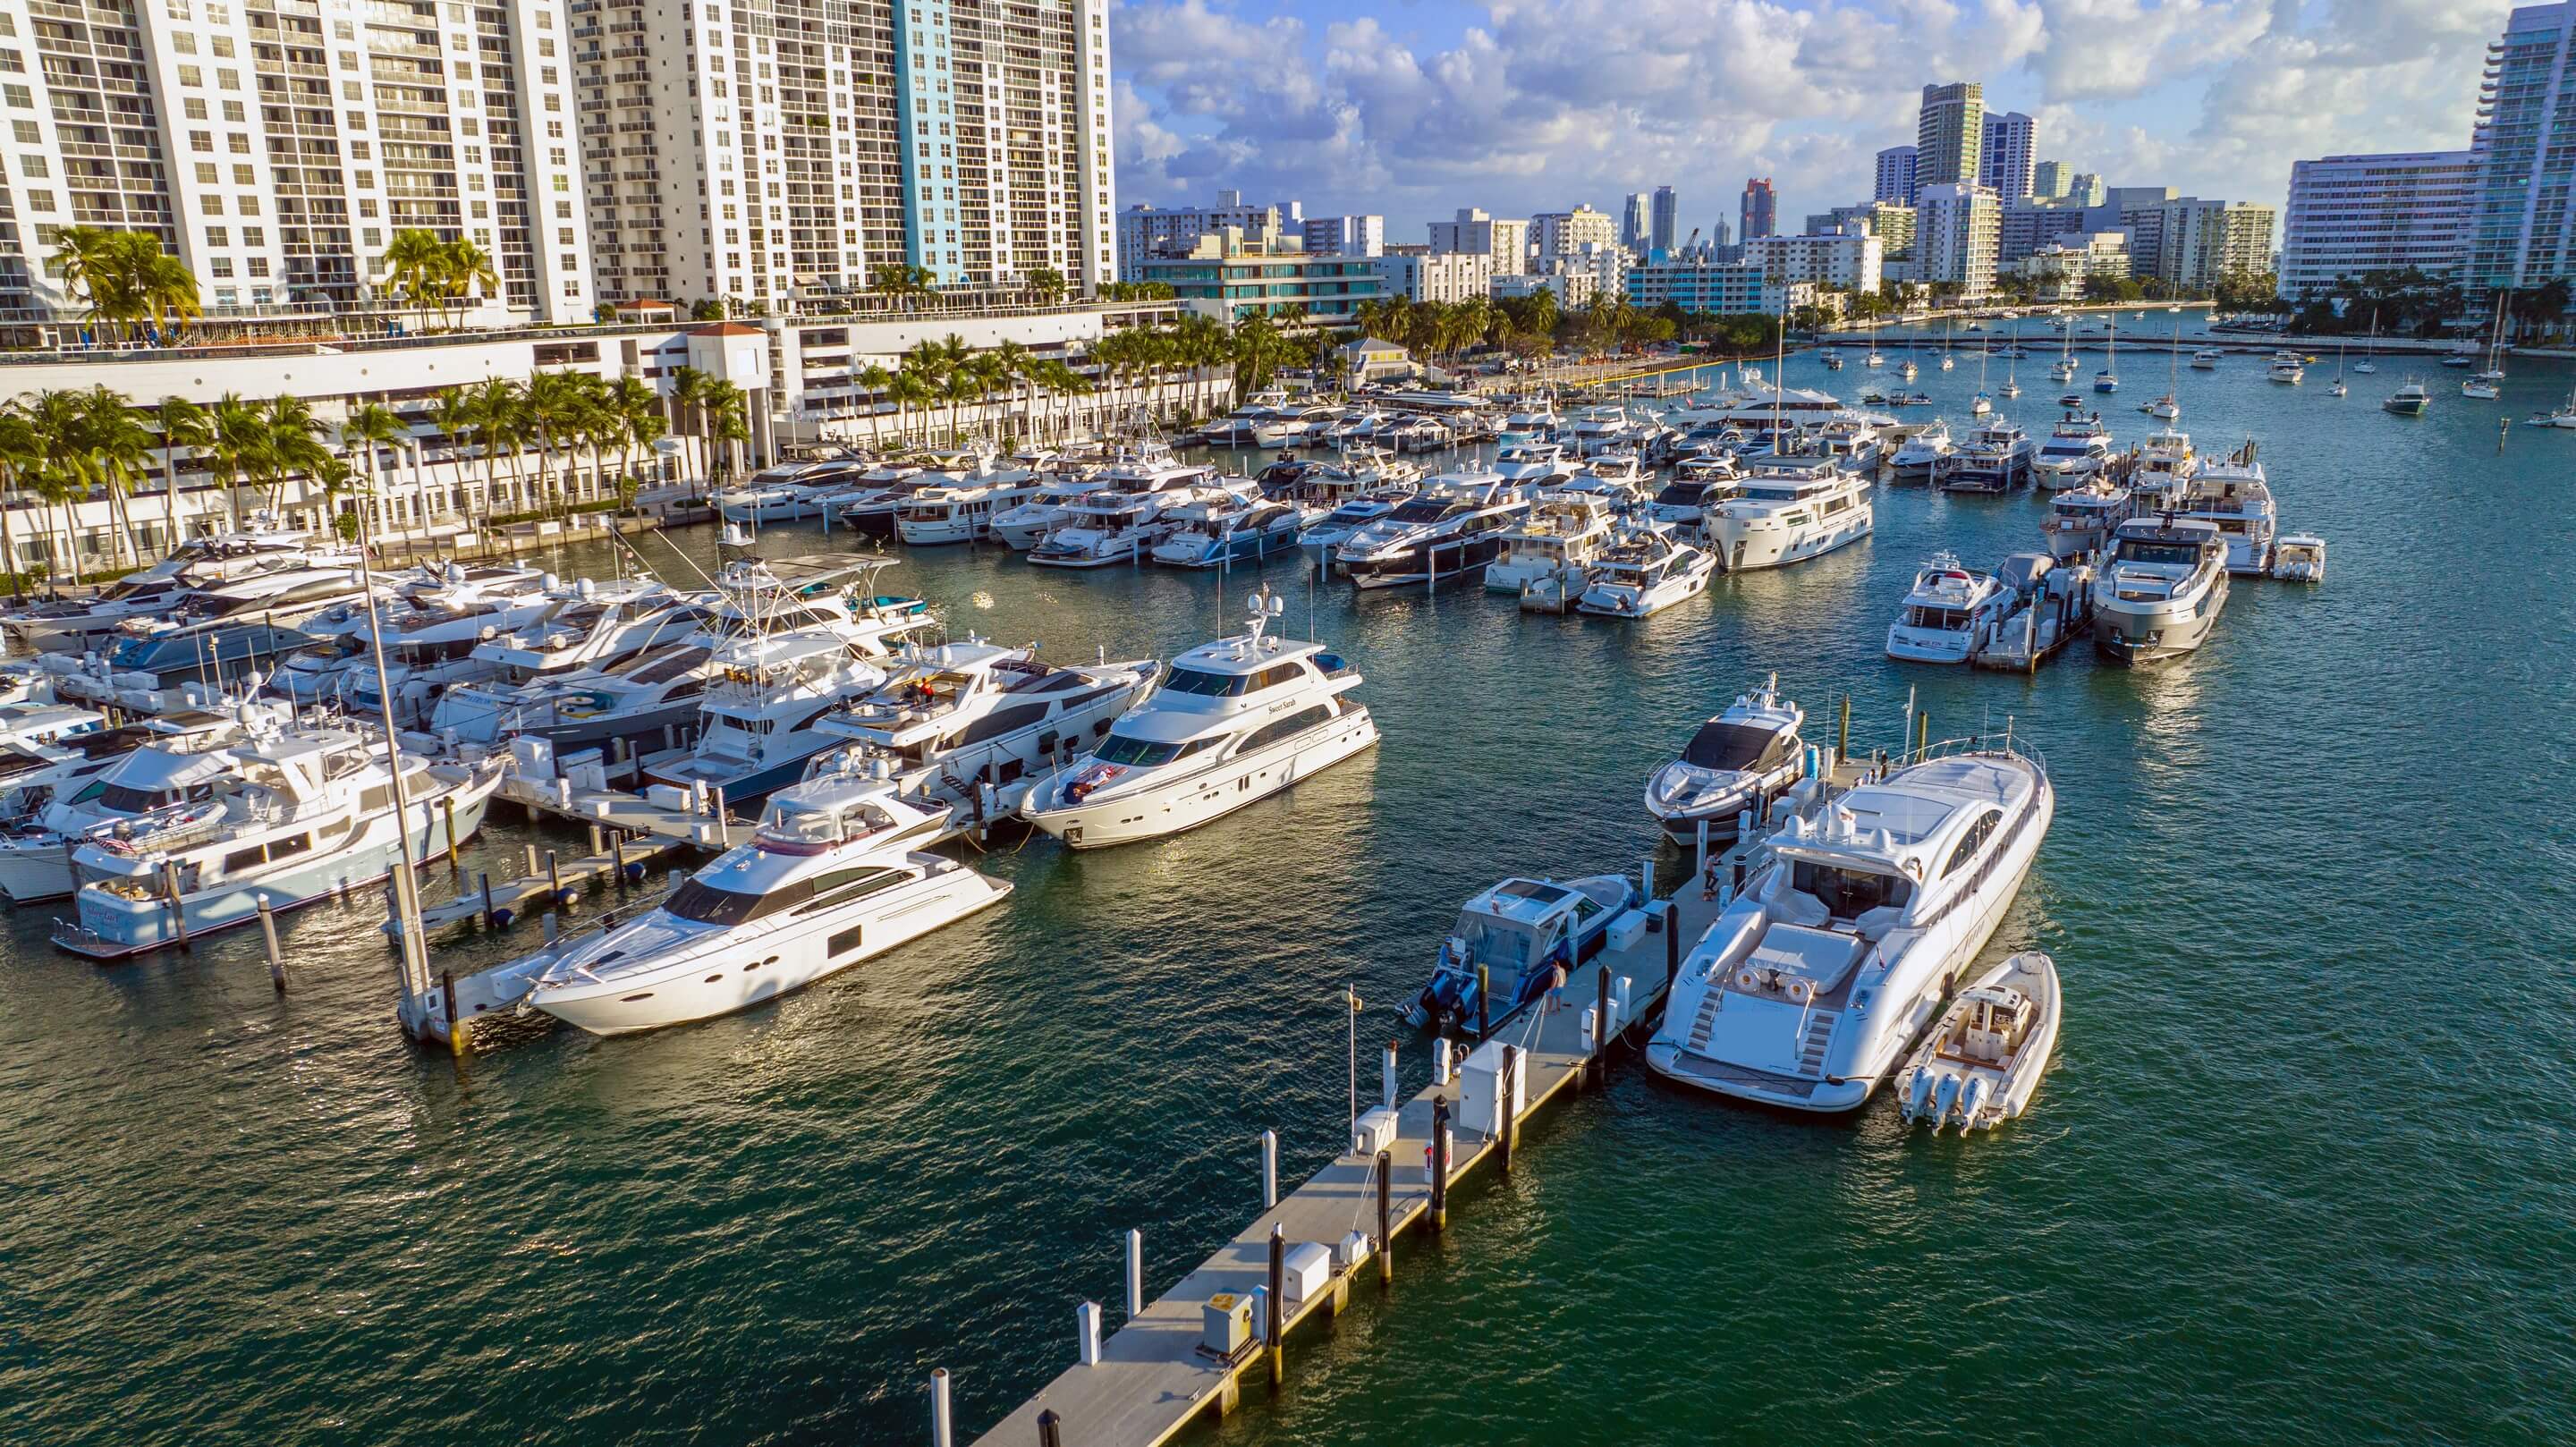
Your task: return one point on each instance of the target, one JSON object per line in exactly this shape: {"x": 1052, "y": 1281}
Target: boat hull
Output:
{"x": 2133, "y": 634}
{"x": 1744, "y": 550}
{"x": 1202, "y": 798}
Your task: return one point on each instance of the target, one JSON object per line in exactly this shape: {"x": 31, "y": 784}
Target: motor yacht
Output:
{"x": 1454, "y": 525}
{"x": 1788, "y": 510}
{"x": 882, "y": 488}
{"x": 1699, "y": 483}
{"x": 2081, "y": 519}
{"x": 1922, "y": 455}
{"x": 1235, "y": 721}
{"x": 833, "y": 875}
{"x": 2410, "y": 400}
{"x": 1839, "y": 952}
{"x": 1621, "y": 474}
{"x": 430, "y": 638}
{"x": 1949, "y": 613}
{"x": 1534, "y": 464}
{"x": 71, "y": 625}
{"x": 1107, "y": 527}
{"x": 1222, "y": 529}
{"x": 1738, "y": 761}
{"x": 788, "y": 492}
{"x": 280, "y": 598}
{"x": 56, "y": 792}
{"x": 1529, "y": 419}
{"x": 157, "y": 673}
{"x": 2207, "y": 359}
{"x": 1294, "y": 425}
{"x": 1419, "y": 434}
{"x": 1996, "y": 459}
{"x": 299, "y": 814}
{"x": 1643, "y": 573}
{"x": 955, "y": 715}
{"x": 2299, "y": 558}
{"x": 1509, "y": 940}
{"x": 1981, "y": 1064}
{"x": 2164, "y": 463}
{"x": 963, "y": 512}
{"x": 1347, "y": 518}
{"x": 1544, "y": 557}
{"x": 758, "y": 712}
{"x": 1595, "y": 430}
{"x": 2077, "y": 450}
{"x": 2286, "y": 367}
{"x": 1026, "y": 524}
{"x": 2161, "y": 589}
{"x": 2235, "y": 495}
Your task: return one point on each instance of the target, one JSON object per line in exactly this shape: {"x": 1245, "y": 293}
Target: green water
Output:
{"x": 2301, "y": 1172}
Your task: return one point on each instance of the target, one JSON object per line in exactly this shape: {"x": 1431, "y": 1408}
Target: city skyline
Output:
{"x": 1408, "y": 119}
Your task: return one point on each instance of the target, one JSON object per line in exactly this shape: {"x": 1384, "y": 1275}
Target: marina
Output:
{"x": 949, "y": 1081}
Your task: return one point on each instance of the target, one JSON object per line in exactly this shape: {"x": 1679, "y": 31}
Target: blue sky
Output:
{"x": 1416, "y": 107}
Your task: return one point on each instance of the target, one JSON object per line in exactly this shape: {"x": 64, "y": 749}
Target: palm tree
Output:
{"x": 502, "y": 425}
{"x": 372, "y": 426}
{"x": 237, "y": 443}
{"x": 294, "y": 444}
{"x": 22, "y": 454}
{"x": 1048, "y": 283}
{"x": 86, "y": 258}
{"x": 185, "y": 427}
{"x": 461, "y": 422}
{"x": 119, "y": 449}
{"x": 62, "y": 473}
{"x": 872, "y": 379}
{"x": 637, "y": 410}
{"x": 910, "y": 387}
{"x": 727, "y": 421}
{"x": 464, "y": 269}
{"x": 689, "y": 395}
{"x": 412, "y": 260}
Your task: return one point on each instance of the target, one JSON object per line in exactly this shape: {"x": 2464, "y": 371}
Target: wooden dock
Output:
{"x": 616, "y": 809}
{"x": 551, "y": 881}
{"x": 1152, "y": 1377}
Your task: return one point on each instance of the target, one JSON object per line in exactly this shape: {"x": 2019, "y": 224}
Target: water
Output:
{"x": 2299, "y": 1175}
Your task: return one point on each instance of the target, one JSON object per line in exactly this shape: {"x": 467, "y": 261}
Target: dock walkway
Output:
{"x": 1152, "y": 1378}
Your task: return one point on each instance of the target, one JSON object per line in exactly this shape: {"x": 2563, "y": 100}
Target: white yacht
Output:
{"x": 1644, "y": 573}
{"x": 961, "y": 512}
{"x": 1334, "y": 528}
{"x": 1996, "y": 459}
{"x": 1454, "y": 525}
{"x": 2207, "y": 359}
{"x": 1699, "y": 483}
{"x": 1530, "y": 419}
{"x": 1922, "y": 455}
{"x": 1595, "y": 430}
{"x": 1806, "y": 992}
{"x": 57, "y": 792}
{"x": 832, "y": 876}
{"x": 2081, "y": 519}
{"x": 759, "y": 714}
{"x": 284, "y": 598}
{"x": 428, "y": 645}
{"x": 1542, "y": 559}
{"x": 1294, "y": 425}
{"x": 297, "y": 815}
{"x": 2235, "y": 495}
{"x": 2409, "y": 400}
{"x": 2164, "y": 463}
{"x": 1617, "y": 473}
{"x": 1745, "y": 756}
{"x": 2160, "y": 591}
{"x": 1109, "y": 527}
{"x": 2287, "y": 367}
{"x": 1220, "y": 529}
{"x": 74, "y": 624}
{"x": 2077, "y": 449}
{"x": 1949, "y": 613}
{"x": 1981, "y": 1064}
{"x": 955, "y": 715}
{"x": 1026, "y": 524}
{"x": 1786, "y": 511}
{"x": 1235, "y": 721}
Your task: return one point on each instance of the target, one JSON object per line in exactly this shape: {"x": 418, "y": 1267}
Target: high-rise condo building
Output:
{"x": 2006, "y": 159}
{"x": 2352, "y": 214}
{"x": 1665, "y": 234}
{"x": 2086, "y": 189}
{"x": 2050, "y": 180}
{"x": 1956, "y": 234}
{"x": 1565, "y": 233}
{"x": 1346, "y": 235}
{"x": 1507, "y": 242}
{"x": 768, "y": 148}
{"x": 1635, "y": 229}
{"x": 2522, "y": 229}
{"x": 275, "y": 146}
{"x": 1895, "y": 176}
{"x": 1760, "y": 211}
{"x": 1949, "y": 134}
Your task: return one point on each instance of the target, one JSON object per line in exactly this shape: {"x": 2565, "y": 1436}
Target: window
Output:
{"x": 1213, "y": 685}
{"x": 1277, "y": 729}
{"x": 705, "y": 904}
{"x": 35, "y": 166}
{"x": 1968, "y": 842}
{"x": 1145, "y": 753}
{"x": 844, "y": 942}
{"x": 838, "y": 887}
{"x": 16, "y": 95}
{"x": 1850, "y": 893}
{"x": 27, "y": 133}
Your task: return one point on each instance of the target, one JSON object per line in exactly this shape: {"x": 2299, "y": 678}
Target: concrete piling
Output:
{"x": 1269, "y": 1169}
{"x": 942, "y": 1424}
{"x": 268, "y": 940}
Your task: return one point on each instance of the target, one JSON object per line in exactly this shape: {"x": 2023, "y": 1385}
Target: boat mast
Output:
{"x": 415, "y": 958}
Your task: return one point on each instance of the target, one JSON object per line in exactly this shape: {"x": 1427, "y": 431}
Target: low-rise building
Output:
{"x": 1573, "y": 288}
{"x": 1848, "y": 259}
{"x": 1436, "y": 276}
{"x": 1475, "y": 233}
{"x": 1346, "y": 235}
{"x": 1228, "y": 275}
{"x": 1724, "y": 289}
{"x": 2059, "y": 270}
{"x": 1145, "y": 231}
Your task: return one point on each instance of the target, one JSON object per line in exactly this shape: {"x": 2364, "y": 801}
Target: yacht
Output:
{"x": 74, "y": 624}
{"x": 1699, "y": 483}
{"x": 1509, "y": 940}
{"x": 1221, "y": 529}
{"x": 1026, "y": 524}
{"x": 57, "y": 796}
{"x": 1355, "y": 429}
{"x": 2207, "y": 359}
{"x": 1621, "y": 474}
{"x": 956, "y": 714}
{"x": 758, "y": 714}
{"x": 1454, "y": 525}
{"x": 2077, "y": 450}
{"x": 2410, "y": 400}
{"x": 1235, "y": 721}
{"x": 427, "y": 644}
{"x": 1924, "y": 454}
{"x": 1996, "y": 459}
{"x": 1595, "y": 430}
{"x": 2236, "y": 496}
{"x": 2479, "y": 389}
{"x": 612, "y": 625}
{"x": 1643, "y": 574}
{"x": 299, "y": 814}
{"x": 2081, "y": 519}
{"x": 1908, "y": 370}
{"x": 1981, "y": 1063}
{"x": 1420, "y": 434}
{"x": 833, "y": 875}
{"x": 1294, "y": 425}
{"x": 962, "y": 512}
{"x": 1786, "y": 511}
{"x": 156, "y": 673}
{"x": 1949, "y": 613}
{"x": 1542, "y": 560}
{"x": 788, "y": 492}
{"x": 1329, "y": 532}
{"x": 2563, "y": 417}
{"x": 2286, "y": 367}
{"x": 1240, "y": 427}
{"x": 1807, "y": 990}
{"x": 1740, "y": 760}
{"x": 1109, "y": 527}
{"x": 2164, "y": 462}
{"x": 2161, "y": 589}
{"x": 281, "y": 598}
{"x": 1530, "y": 419}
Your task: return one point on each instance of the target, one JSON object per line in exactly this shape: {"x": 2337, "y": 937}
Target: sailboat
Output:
{"x": 1873, "y": 360}
{"x": 2483, "y": 385}
{"x": 2108, "y": 379}
{"x": 2064, "y": 371}
{"x": 1946, "y": 324}
{"x": 2165, "y": 406}
{"x": 2564, "y": 417}
{"x": 2338, "y": 389}
{"x": 1983, "y": 404}
{"x": 2012, "y": 363}
{"x": 2366, "y": 366}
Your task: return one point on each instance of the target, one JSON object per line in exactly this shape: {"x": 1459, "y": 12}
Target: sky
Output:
{"x": 1414, "y": 108}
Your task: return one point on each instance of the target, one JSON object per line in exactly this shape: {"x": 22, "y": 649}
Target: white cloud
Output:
{"x": 1539, "y": 104}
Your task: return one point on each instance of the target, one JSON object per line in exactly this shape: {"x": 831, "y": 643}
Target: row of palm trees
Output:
{"x": 437, "y": 274}
{"x": 126, "y": 278}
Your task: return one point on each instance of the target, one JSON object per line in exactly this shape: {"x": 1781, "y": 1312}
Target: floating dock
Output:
{"x": 1153, "y": 1376}
{"x": 551, "y": 881}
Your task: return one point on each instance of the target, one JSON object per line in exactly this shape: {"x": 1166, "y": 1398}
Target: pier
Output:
{"x": 1304, "y": 1255}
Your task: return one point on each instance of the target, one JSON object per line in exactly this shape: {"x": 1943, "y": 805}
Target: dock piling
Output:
{"x": 1269, "y": 1169}
{"x": 488, "y": 921}
{"x": 448, "y": 804}
{"x": 724, "y": 821}
{"x": 460, "y": 1036}
{"x": 554, "y": 883}
{"x": 1050, "y": 1429}
{"x": 178, "y": 912}
{"x": 1842, "y": 733}
{"x": 597, "y": 844}
{"x": 1439, "y": 1060}
{"x": 1386, "y": 1078}
{"x": 1601, "y": 1028}
{"x": 1270, "y": 1319}
{"x": 553, "y": 926}
{"x": 1386, "y": 1218}
{"x": 532, "y": 861}
{"x": 1700, "y": 866}
{"x": 1086, "y": 1323}
{"x": 1440, "y": 1163}
{"x": 1511, "y": 1132}
{"x": 268, "y": 940}
{"x": 1673, "y": 944}
{"x": 1135, "y": 1274}
{"x": 942, "y": 1425}
{"x": 617, "y": 851}
{"x": 1484, "y": 1004}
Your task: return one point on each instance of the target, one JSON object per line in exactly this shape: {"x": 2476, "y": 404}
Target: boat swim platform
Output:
{"x": 1153, "y": 1379}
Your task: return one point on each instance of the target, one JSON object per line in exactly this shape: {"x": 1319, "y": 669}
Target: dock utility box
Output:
{"x": 1480, "y": 1090}
{"x": 1627, "y": 929}
{"x": 1226, "y": 1324}
{"x": 1374, "y": 1132}
{"x": 670, "y": 796}
{"x": 1308, "y": 1270}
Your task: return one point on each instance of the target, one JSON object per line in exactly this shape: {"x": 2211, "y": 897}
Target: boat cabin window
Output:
{"x": 2176, "y": 555}
{"x": 126, "y": 799}
{"x": 1940, "y": 620}
{"x": 1850, "y": 893}
{"x": 1421, "y": 510}
{"x": 1213, "y": 685}
{"x": 1498, "y": 942}
{"x": 1144, "y": 753}
{"x": 840, "y": 886}
{"x": 1733, "y": 746}
{"x": 1277, "y": 729}
{"x": 705, "y": 904}
{"x": 1970, "y": 841}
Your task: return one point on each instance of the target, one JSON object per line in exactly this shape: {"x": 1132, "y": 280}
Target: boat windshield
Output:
{"x": 1497, "y": 942}
{"x": 2176, "y": 555}
{"x": 706, "y": 904}
{"x": 1720, "y": 745}
{"x": 1850, "y": 893}
{"x": 1143, "y": 753}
